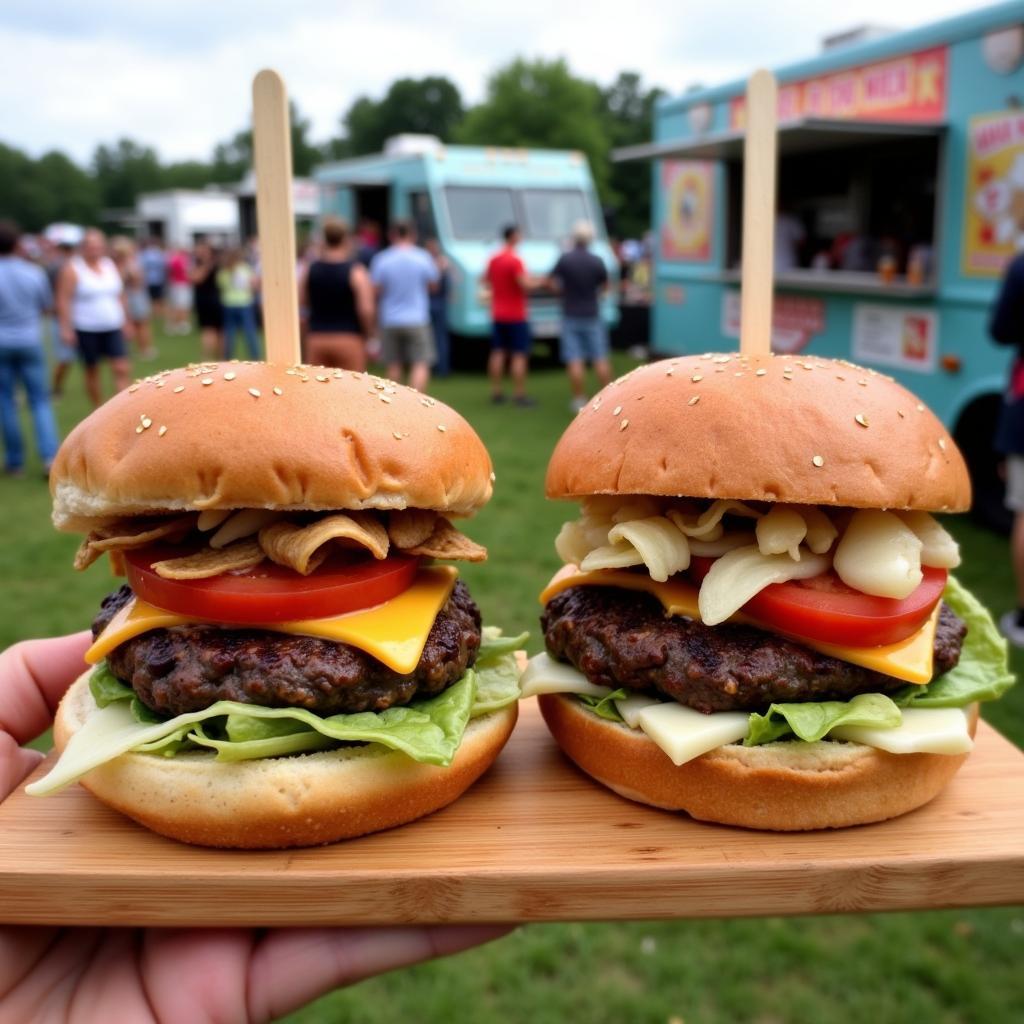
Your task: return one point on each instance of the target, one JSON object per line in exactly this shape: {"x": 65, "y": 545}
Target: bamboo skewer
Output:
{"x": 272, "y": 152}
{"x": 759, "y": 155}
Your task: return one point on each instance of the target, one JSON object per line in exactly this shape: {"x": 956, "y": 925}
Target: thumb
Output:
{"x": 16, "y": 763}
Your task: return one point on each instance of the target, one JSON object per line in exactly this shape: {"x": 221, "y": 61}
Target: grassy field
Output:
{"x": 942, "y": 967}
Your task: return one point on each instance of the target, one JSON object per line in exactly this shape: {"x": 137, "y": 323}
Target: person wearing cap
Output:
{"x": 580, "y": 277}
{"x": 24, "y": 296}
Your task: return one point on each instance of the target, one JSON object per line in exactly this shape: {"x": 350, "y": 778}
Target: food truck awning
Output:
{"x": 799, "y": 136}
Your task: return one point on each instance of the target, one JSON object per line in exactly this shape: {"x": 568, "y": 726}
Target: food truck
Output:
{"x": 900, "y": 201}
{"x": 464, "y": 196}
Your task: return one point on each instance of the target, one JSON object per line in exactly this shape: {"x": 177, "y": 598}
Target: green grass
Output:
{"x": 941, "y": 967}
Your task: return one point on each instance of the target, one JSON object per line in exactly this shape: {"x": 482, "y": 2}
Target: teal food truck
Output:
{"x": 464, "y": 196}
{"x": 900, "y": 199}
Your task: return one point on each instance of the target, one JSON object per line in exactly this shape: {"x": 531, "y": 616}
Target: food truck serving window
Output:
{"x": 479, "y": 213}
{"x": 550, "y": 213}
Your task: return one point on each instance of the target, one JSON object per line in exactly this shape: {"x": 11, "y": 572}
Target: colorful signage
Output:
{"x": 994, "y": 207}
{"x": 907, "y": 88}
{"x": 688, "y": 190}
{"x": 795, "y": 320}
{"x": 906, "y": 339}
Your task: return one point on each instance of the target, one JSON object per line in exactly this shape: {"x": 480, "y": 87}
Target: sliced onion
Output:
{"x": 571, "y": 542}
{"x": 938, "y": 549}
{"x": 714, "y": 548}
{"x": 879, "y": 554}
{"x": 821, "y": 531}
{"x": 743, "y": 572}
{"x": 780, "y": 531}
{"x": 612, "y": 556}
{"x": 662, "y": 548}
{"x": 706, "y": 525}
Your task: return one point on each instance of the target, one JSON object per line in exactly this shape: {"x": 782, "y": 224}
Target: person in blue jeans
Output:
{"x": 237, "y": 283}
{"x": 439, "y": 308}
{"x": 24, "y": 297}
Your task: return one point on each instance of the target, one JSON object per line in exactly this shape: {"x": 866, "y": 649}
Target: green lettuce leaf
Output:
{"x": 497, "y": 684}
{"x": 815, "y": 719}
{"x": 983, "y": 670}
{"x": 604, "y": 707}
{"x": 494, "y": 646}
{"x": 106, "y": 688}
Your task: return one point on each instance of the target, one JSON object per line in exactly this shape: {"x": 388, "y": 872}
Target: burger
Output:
{"x": 756, "y": 621}
{"x": 286, "y": 663}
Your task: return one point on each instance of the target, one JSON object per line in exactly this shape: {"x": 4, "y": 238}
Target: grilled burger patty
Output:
{"x": 188, "y": 668}
{"x": 623, "y": 638}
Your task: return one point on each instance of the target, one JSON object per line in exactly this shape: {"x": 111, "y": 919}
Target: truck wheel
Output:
{"x": 974, "y": 435}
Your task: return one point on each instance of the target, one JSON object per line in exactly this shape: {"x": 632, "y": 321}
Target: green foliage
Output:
{"x": 233, "y": 158}
{"x": 123, "y": 171}
{"x": 37, "y": 192}
{"x": 542, "y": 103}
{"x": 429, "y": 106}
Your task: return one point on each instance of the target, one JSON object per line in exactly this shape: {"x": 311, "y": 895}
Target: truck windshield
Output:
{"x": 480, "y": 213}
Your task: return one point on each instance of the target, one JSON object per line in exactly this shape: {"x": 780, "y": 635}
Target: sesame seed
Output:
{"x": 760, "y": 373}
{"x": 441, "y": 427}
{"x": 206, "y": 381}
{"x": 384, "y": 398}
{"x": 178, "y": 390}
{"x": 617, "y": 410}
{"x": 162, "y": 430}
{"x": 839, "y": 376}
{"x": 942, "y": 443}
{"x": 920, "y": 408}
{"x": 694, "y": 400}
{"x": 134, "y": 387}
{"x": 696, "y": 377}
{"x": 786, "y": 376}
{"x": 863, "y": 383}
{"x": 159, "y": 383}
{"x": 323, "y": 378}
{"x": 787, "y": 369}
{"x": 623, "y": 424}
{"x": 861, "y": 419}
{"x": 738, "y": 373}
{"x": 396, "y": 435}
{"x": 146, "y": 423}
{"x": 255, "y": 392}
{"x": 138, "y": 430}
{"x": 278, "y": 391}
{"x": 230, "y": 375}
{"x": 818, "y": 461}
{"x": 899, "y": 412}
{"x": 721, "y": 359}
{"x": 292, "y": 373}
{"x": 668, "y": 373}
{"x": 493, "y": 477}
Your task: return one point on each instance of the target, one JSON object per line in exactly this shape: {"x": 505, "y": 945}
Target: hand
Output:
{"x": 164, "y": 974}
{"x": 68, "y": 336}
{"x": 128, "y": 330}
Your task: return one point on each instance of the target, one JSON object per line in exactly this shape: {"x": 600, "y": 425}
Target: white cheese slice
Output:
{"x": 685, "y": 734}
{"x": 545, "y": 675}
{"x": 631, "y": 706}
{"x": 922, "y": 731}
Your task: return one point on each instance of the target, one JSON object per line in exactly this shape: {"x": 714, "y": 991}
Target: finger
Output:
{"x": 33, "y": 677}
{"x": 15, "y": 764}
{"x": 291, "y": 967}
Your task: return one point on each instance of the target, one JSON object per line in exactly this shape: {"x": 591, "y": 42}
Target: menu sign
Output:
{"x": 911, "y": 87}
{"x": 688, "y": 189}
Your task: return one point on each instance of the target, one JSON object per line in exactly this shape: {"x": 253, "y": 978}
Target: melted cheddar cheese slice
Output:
{"x": 394, "y": 632}
{"x": 909, "y": 660}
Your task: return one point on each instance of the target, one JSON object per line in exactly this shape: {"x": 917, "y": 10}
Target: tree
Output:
{"x": 627, "y": 109}
{"x": 428, "y": 106}
{"x": 123, "y": 171}
{"x": 73, "y": 192}
{"x": 541, "y": 103}
{"x": 231, "y": 159}
{"x": 38, "y": 192}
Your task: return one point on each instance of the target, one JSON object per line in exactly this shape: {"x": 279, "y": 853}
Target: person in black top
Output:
{"x": 439, "y": 309}
{"x": 337, "y": 292}
{"x": 206, "y": 298}
{"x": 1007, "y": 328}
{"x": 581, "y": 277}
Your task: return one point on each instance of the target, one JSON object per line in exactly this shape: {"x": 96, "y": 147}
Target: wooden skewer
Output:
{"x": 272, "y": 151}
{"x": 758, "y": 215}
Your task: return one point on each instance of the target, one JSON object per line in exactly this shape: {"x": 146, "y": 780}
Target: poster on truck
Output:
{"x": 994, "y": 206}
{"x": 896, "y": 336}
{"x": 688, "y": 188}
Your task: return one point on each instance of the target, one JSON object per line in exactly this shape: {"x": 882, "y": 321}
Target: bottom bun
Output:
{"x": 299, "y": 800}
{"x": 781, "y": 787}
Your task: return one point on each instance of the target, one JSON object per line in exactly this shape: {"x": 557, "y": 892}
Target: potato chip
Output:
{"x": 302, "y": 548}
{"x": 408, "y": 527}
{"x": 130, "y": 533}
{"x": 211, "y": 562}
{"x": 448, "y": 542}
{"x": 243, "y": 524}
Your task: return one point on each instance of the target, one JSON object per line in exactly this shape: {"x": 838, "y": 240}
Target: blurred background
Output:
{"x": 901, "y": 205}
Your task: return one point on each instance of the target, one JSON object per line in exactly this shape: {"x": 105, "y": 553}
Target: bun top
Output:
{"x": 761, "y": 428}
{"x": 256, "y": 435}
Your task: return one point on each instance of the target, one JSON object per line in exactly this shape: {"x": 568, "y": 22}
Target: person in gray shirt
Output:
{"x": 24, "y": 297}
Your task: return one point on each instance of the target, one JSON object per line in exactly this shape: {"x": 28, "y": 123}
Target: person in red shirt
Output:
{"x": 511, "y": 339}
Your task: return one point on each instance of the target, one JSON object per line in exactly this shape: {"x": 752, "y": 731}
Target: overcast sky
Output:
{"x": 176, "y": 74}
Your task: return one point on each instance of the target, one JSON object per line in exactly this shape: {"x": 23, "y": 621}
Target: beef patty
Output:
{"x": 623, "y": 638}
{"x": 188, "y": 668}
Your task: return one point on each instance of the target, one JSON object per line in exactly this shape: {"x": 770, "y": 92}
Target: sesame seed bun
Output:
{"x": 256, "y": 435}
{"x": 761, "y": 428}
{"x": 780, "y": 787}
{"x": 275, "y": 803}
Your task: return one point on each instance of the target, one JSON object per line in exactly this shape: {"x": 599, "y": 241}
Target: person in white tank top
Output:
{"x": 92, "y": 313}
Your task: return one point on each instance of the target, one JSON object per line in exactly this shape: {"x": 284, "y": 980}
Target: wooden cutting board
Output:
{"x": 534, "y": 840}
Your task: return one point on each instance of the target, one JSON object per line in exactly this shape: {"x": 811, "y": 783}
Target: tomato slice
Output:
{"x": 271, "y": 592}
{"x": 826, "y": 609}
